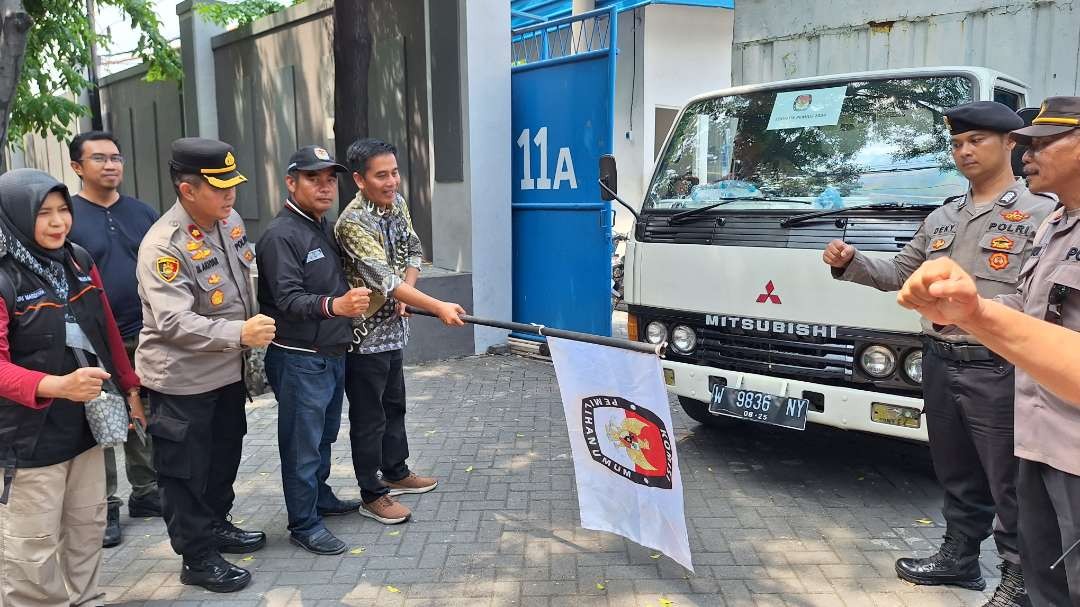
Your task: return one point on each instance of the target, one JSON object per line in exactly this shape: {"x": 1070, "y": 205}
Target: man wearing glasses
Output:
{"x": 111, "y": 225}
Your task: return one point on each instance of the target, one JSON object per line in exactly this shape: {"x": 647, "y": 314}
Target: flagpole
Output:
{"x": 541, "y": 330}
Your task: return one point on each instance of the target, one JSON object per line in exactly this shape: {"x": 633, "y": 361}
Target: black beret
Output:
{"x": 210, "y": 158}
{"x": 982, "y": 116}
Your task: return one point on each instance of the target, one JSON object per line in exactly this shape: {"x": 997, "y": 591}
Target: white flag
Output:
{"x": 624, "y": 445}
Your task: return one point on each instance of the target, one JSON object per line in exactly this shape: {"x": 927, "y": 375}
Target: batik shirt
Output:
{"x": 378, "y": 246}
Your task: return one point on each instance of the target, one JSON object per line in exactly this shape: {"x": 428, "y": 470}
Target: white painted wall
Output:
{"x": 486, "y": 97}
{"x": 682, "y": 51}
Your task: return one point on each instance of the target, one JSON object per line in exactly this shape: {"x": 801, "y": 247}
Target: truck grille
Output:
{"x": 802, "y": 357}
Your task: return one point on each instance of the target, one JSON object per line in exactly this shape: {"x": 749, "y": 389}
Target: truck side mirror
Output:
{"x": 609, "y": 177}
{"x": 1028, "y": 114}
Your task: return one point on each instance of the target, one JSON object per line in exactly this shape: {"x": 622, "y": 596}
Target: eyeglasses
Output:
{"x": 103, "y": 158}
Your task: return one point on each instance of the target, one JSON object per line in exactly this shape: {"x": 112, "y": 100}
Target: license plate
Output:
{"x": 895, "y": 415}
{"x": 759, "y": 406}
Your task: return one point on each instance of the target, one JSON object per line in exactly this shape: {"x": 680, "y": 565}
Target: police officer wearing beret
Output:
{"x": 198, "y": 320}
{"x": 967, "y": 389}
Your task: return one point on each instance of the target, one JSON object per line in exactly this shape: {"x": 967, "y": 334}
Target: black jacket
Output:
{"x": 36, "y": 341}
{"x": 300, "y": 273}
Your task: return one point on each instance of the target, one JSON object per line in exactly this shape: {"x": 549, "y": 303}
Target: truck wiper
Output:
{"x": 878, "y": 206}
{"x": 680, "y": 217}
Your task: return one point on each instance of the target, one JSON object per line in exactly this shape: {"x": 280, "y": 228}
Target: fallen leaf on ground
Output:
{"x": 666, "y": 602}
{"x": 520, "y": 435}
{"x": 654, "y": 555}
{"x": 924, "y": 521}
{"x": 470, "y": 469}
{"x": 359, "y": 550}
{"x": 600, "y": 586}
{"x": 430, "y": 432}
{"x": 248, "y": 558}
{"x": 392, "y": 589}
{"x": 394, "y": 533}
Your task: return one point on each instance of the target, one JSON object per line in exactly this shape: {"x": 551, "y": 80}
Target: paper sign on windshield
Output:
{"x": 798, "y": 109}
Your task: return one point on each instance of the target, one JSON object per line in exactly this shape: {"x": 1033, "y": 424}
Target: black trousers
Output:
{"x": 375, "y": 388}
{"x": 197, "y": 444}
{"x": 969, "y": 416}
{"x": 1049, "y": 524}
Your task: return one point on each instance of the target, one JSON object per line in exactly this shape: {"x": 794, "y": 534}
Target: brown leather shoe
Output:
{"x": 386, "y": 510}
{"x": 411, "y": 484}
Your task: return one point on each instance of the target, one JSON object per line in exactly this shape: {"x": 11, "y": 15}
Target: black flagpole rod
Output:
{"x": 541, "y": 330}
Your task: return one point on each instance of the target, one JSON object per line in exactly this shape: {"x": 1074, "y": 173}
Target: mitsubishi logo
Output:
{"x": 768, "y": 294}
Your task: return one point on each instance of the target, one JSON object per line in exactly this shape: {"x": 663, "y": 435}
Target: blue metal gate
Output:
{"x": 563, "y": 90}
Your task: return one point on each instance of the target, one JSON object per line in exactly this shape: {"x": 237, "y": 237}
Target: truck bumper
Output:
{"x": 846, "y": 408}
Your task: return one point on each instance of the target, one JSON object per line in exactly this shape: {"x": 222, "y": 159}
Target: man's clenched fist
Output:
{"x": 943, "y": 292}
{"x": 838, "y": 254}
{"x": 258, "y": 331}
{"x": 353, "y": 303}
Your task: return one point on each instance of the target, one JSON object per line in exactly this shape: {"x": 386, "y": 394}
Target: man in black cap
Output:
{"x": 302, "y": 287}
{"x": 967, "y": 389}
{"x": 198, "y": 319}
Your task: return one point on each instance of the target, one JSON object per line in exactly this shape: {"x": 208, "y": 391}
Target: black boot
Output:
{"x": 147, "y": 506}
{"x": 215, "y": 574}
{"x": 955, "y": 564}
{"x": 234, "y": 540}
{"x": 1011, "y": 592}
{"x": 113, "y": 535}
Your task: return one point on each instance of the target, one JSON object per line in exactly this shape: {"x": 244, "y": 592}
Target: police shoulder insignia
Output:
{"x": 213, "y": 279}
{"x": 201, "y": 254}
{"x": 217, "y": 297}
{"x": 1007, "y": 197}
{"x": 195, "y": 232}
{"x": 1015, "y": 215}
{"x": 167, "y": 268}
{"x": 1002, "y": 243}
{"x": 998, "y": 261}
{"x": 938, "y": 244}
{"x": 236, "y": 233}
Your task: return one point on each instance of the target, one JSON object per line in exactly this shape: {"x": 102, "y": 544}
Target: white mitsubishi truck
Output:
{"x": 724, "y": 262}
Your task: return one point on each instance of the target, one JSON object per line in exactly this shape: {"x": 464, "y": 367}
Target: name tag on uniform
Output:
{"x": 314, "y": 255}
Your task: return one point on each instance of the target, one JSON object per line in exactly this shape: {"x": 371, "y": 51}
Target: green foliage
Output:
{"x": 241, "y": 12}
{"x": 57, "y": 57}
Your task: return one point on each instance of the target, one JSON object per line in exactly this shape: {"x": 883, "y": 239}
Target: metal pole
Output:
{"x": 541, "y": 330}
{"x": 94, "y": 92}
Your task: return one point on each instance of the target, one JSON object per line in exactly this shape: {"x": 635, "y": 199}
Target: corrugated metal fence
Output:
{"x": 1036, "y": 41}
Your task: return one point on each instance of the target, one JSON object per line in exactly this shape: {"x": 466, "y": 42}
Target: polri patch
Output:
{"x": 1015, "y": 215}
{"x": 236, "y": 233}
{"x": 217, "y": 298}
{"x": 201, "y": 254}
{"x": 998, "y": 261}
{"x": 1002, "y": 243}
{"x": 938, "y": 244}
{"x": 213, "y": 279}
{"x": 249, "y": 256}
{"x": 194, "y": 245}
{"x": 167, "y": 268}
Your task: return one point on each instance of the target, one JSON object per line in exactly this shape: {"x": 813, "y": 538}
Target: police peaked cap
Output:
{"x": 211, "y": 159}
{"x": 982, "y": 116}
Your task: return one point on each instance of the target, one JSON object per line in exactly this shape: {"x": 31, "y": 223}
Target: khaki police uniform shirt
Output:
{"x": 196, "y": 295}
{"x": 991, "y": 241}
{"x": 1047, "y": 428}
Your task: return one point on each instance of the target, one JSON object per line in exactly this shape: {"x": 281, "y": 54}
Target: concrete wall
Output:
{"x": 146, "y": 117}
{"x": 1033, "y": 40}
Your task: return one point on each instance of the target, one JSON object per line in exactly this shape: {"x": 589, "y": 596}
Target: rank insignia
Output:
{"x": 998, "y": 261}
{"x": 217, "y": 297}
{"x": 194, "y": 245}
{"x": 1015, "y": 215}
{"x": 195, "y": 232}
{"x": 213, "y": 279}
{"x": 167, "y": 268}
{"x": 248, "y": 256}
{"x": 938, "y": 244}
{"x": 236, "y": 233}
{"x": 1002, "y": 243}
{"x": 201, "y": 254}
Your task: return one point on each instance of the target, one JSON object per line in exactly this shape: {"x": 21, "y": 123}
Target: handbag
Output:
{"x": 107, "y": 414}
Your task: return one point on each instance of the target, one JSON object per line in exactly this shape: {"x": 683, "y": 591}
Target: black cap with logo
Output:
{"x": 1057, "y": 115}
{"x": 313, "y": 158}
{"x": 211, "y": 159}
{"x": 982, "y": 116}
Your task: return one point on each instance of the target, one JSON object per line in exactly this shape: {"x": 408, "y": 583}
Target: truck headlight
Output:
{"x": 913, "y": 366}
{"x": 878, "y": 361}
{"x": 683, "y": 339}
{"x": 656, "y": 332}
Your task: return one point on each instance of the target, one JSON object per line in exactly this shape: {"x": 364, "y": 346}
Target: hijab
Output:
{"x": 22, "y": 194}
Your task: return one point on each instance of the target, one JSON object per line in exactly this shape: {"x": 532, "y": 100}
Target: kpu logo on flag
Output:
{"x": 629, "y": 440}
{"x": 626, "y": 464}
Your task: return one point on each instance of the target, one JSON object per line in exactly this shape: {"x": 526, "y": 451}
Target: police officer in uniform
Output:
{"x": 967, "y": 389}
{"x": 198, "y": 320}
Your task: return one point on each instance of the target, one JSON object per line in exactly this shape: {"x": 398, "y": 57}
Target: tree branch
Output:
{"x": 15, "y": 24}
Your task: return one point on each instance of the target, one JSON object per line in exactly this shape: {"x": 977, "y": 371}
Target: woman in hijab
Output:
{"x": 52, "y": 505}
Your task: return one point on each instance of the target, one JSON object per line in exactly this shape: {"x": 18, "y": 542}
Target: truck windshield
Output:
{"x": 818, "y": 147}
